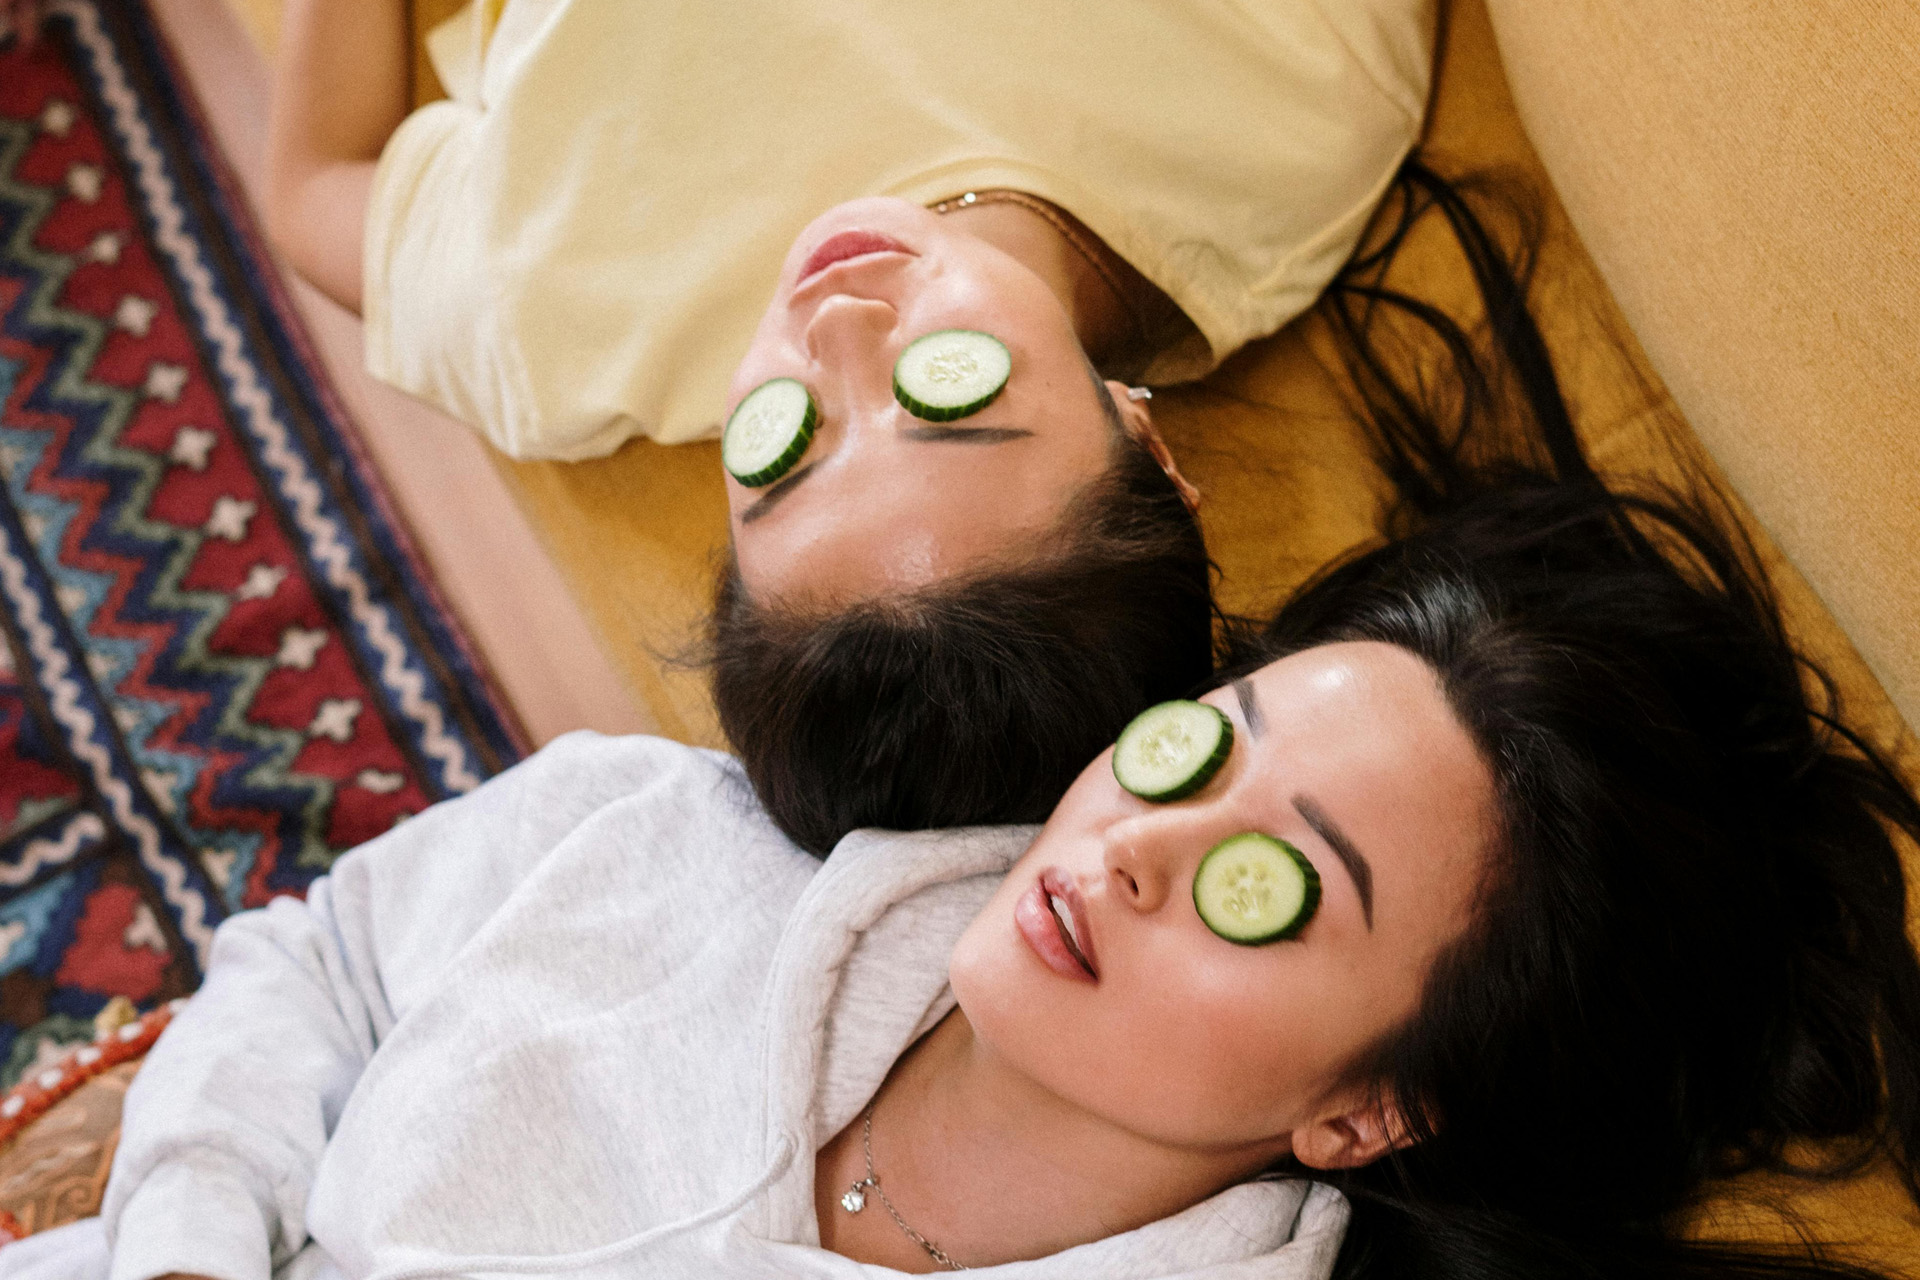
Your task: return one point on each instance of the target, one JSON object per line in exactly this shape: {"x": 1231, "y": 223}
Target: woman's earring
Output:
{"x": 1137, "y": 394}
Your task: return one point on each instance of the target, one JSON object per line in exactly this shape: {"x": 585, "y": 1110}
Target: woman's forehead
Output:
{"x": 1365, "y": 732}
{"x": 1351, "y": 681}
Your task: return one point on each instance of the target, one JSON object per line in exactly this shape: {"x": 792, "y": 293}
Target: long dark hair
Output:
{"x": 977, "y": 699}
{"x": 1689, "y": 952}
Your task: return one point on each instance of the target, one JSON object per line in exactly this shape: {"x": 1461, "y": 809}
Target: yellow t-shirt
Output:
{"x": 575, "y": 248}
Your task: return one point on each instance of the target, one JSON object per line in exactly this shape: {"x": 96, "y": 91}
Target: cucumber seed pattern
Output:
{"x": 768, "y": 432}
{"x": 950, "y": 374}
{"x": 758, "y": 426}
{"x": 1171, "y": 750}
{"x": 1252, "y": 889}
{"x": 1168, "y": 744}
{"x": 950, "y": 368}
{"x": 1247, "y": 894}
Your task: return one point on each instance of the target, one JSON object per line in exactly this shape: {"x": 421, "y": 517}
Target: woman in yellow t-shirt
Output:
{"x": 577, "y": 246}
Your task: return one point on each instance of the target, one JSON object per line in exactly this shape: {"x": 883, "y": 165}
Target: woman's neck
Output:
{"x": 993, "y": 1168}
{"x": 1120, "y": 316}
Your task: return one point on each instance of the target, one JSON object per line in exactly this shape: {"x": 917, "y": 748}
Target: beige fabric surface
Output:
{"x": 1747, "y": 177}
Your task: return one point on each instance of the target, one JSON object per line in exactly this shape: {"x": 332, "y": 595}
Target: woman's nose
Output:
{"x": 847, "y": 333}
{"x": 1151, "y": 855}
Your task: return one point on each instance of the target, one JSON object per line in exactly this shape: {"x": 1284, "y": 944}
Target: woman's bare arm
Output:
{"x": 340, "y": 90}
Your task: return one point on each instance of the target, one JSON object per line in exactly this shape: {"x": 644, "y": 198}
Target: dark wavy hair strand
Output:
{"x": 980, "y": 698}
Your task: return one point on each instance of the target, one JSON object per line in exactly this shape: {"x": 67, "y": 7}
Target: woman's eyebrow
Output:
{"x": 965, "y": 435}
{"x": 1249, "y": 705}
{"x": 765, "y": 502}
{"x": 1357, "y": 866}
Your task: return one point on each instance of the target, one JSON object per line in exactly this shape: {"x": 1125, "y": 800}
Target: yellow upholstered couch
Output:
{"x": 1732, "y": 192}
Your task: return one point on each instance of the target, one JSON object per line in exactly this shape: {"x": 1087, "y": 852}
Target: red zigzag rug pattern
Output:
{"x": 223, "y": 663}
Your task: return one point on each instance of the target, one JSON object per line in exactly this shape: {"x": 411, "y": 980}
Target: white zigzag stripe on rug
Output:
{"x": 63, "y": 693}
{"x": 250, "y": 396}
{"x": 51, "y": 851}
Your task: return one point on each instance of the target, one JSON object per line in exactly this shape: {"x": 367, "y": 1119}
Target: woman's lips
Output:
{"x": 1053, "y": 919}
{"x": 846, "y": 244}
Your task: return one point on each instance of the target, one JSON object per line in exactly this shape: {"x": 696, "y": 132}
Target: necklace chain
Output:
{"x": 856, "y": 1199}
{"x": 1070, "y": 230}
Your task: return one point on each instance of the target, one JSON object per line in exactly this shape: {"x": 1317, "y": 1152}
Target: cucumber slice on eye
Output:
{"x": 1170, "y": 751}
{"x": 1252, "y": 888}
{"x": 768, "y": 432}
{"x": 950, "y": 374}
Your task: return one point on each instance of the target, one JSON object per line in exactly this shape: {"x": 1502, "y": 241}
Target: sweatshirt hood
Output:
{"x": 861, "y": 973}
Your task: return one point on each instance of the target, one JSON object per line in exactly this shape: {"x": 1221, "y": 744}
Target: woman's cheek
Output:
{"x": 1092, "y": 804}
{"x": 981, "y": 975}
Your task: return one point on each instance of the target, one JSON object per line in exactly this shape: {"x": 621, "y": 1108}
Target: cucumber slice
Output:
{"x": 1252, "y": 888}
{"x": 1170, "y": 751}
{"x": 768, "y": 432}
{"x": 950, "y": 374}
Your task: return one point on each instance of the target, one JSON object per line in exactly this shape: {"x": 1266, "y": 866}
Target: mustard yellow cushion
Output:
{"x": 1747, "y": 177}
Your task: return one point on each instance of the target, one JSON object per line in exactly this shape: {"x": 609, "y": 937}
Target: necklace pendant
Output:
{"x": 856, "y": 1198}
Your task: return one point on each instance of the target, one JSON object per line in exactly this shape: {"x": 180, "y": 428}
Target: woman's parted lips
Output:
{"x": 1052, "y": 917}
{"x": 844, "y": 245}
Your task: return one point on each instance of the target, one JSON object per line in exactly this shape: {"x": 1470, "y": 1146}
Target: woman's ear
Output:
{"x": 1352, "y": 1138}
{"x": 1140, "y": 426}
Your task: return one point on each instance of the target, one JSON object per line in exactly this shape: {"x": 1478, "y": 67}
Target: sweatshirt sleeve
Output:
{"x": 228, "y": 1119}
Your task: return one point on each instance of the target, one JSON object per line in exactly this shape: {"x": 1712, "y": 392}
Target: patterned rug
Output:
{"x": 223, "y": 663}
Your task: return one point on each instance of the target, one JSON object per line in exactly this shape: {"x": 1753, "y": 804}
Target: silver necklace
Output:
{"x": 856, "y": 1199}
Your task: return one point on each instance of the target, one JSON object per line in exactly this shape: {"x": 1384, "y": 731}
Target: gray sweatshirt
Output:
{"x": 593, "y": 1019}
